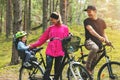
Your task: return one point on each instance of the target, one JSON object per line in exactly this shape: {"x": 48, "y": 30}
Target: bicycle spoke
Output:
{"x": 78, "y": 73}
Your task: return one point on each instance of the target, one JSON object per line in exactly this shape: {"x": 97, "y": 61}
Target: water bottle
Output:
{"x": 71, "y": 49}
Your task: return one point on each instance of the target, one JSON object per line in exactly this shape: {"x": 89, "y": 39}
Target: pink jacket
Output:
{"x": 54, "y": 47}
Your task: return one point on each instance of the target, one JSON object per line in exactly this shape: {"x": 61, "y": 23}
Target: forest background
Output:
{"x": 32, "y": 16}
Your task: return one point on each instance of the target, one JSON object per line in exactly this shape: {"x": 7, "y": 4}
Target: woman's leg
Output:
{"x": 49, "y": 62}
{"x": 57, "y": 67}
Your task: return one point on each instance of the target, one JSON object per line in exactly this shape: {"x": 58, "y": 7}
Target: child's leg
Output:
{"x": 28, "y": 55}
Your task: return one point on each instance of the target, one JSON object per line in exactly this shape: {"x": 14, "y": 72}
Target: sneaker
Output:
{"x": 27, "y": 64}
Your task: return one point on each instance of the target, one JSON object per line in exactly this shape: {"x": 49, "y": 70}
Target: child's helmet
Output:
{"x": 20, "y": 34}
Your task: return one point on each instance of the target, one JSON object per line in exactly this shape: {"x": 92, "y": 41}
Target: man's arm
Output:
{"x": 94, "y": 33}
{"x": 106, "y": 38}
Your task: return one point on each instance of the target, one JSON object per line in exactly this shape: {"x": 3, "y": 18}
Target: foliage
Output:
{"x": 113, "y": 24}
{"x": 5, "y": 51}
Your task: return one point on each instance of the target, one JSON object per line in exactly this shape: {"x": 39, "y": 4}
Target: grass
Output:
{"x": 5, "y": 46}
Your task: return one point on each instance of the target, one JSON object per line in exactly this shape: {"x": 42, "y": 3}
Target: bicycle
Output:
{"x": 108, "y": 70}
{"x": 33, "y": 72}
{"x": 75, "y": 70}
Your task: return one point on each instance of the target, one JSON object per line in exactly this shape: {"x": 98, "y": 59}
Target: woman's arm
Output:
{"x": 41, "y": 40}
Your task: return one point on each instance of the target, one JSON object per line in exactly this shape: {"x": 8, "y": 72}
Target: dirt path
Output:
{"x": 9, "y": 73}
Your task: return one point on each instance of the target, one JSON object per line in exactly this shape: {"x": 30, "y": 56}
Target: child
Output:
{"x": 20, "y": 39}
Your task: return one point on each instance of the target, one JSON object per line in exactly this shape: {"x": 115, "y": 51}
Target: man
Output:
{"x": 94, "y": 34}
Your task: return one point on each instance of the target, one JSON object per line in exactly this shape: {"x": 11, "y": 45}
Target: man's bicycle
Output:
{"x": 74, "y": 71}
{"x": 109, "y": 70}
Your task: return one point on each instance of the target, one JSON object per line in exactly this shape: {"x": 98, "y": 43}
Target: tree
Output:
{"x": 63, "y": 10}
{"x": 27, "y": 15}
{"x": 17, "y": 13}
{"x": 2, "y": 3}
{"x": 45, "y": 13}
{"x": 8, "y": 18}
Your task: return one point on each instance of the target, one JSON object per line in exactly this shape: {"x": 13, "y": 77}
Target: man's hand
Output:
{"x": 108, "y": 43}
{"x": 102, "y": 39}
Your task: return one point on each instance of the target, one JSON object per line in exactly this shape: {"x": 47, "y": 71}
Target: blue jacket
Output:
{"x": 22, "y": 47}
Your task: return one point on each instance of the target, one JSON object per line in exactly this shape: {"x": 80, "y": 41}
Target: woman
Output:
{"x": 55, "y": 33}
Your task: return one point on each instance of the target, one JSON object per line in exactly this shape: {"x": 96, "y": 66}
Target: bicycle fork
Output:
{"x": 75, "y": 71}
{"x": 111, "y": 75}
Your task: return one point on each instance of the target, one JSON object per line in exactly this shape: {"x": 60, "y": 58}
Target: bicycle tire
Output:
{"x": 79, "y": 72}
{"x": 103, "y": 73}
{"x": 63, "y": 75}
{"x": 34, "y": 73}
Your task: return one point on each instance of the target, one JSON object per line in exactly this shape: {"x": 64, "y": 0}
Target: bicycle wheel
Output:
{"x": 33, "y": 73}
{"x": 63, "y": 75}
{"x": 78, "y": 72}
{"x": 103, "y": 73}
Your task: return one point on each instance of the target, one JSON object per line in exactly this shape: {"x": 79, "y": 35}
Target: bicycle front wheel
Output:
{"x": 33, "y": 73}
{"x": 78, "y": 72}
{"x": 111, "y": 73}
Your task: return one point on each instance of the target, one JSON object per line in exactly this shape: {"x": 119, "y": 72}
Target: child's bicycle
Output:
{"x": 109, "y": 70}
{"x": 74, "y": 70}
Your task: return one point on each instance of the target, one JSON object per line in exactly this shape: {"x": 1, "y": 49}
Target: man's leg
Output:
{"x": 92, "y": 46}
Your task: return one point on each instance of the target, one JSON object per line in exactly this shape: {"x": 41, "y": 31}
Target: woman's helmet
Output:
{"x": 20, "y": 34}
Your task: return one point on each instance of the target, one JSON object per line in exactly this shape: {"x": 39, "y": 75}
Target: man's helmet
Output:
{"x": 20, "y": 34}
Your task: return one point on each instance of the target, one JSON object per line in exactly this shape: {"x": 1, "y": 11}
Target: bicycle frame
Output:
{"x": 104, "y": 54}
{"x": 70, "y": 61}
{"x": 39, "y": 64}
{"x": 41, "y": 60}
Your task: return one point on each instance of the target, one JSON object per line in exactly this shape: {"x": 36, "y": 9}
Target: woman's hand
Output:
{"x": 30, "y": 46}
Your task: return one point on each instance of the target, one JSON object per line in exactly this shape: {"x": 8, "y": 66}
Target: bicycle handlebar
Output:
{"x": 110, "y": 44}
{"x": 37, "y": 49}
{"x": 103, "y": 47}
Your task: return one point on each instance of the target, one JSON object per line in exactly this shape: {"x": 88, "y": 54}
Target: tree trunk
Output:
{"x": 27, "y": 15}
{"x": 56, "y": 4}
{"x": 63, "y": 6}
{"x": 8, "y": 18}
{"x": 45, "y": 13}
{"x": 53, "y": 5}
{"x": 2, "y": 14}
{"x": 17, "y": 13}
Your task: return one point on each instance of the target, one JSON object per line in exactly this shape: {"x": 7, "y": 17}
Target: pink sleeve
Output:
{"x": 42, "y": 39}
{"x": 66, "y": 31}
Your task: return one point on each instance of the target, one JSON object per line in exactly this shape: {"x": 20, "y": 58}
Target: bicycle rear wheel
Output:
{"x": 78, "y": 72}
{"x": 103, "y": 73}
{"x": 33, "y": 73}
